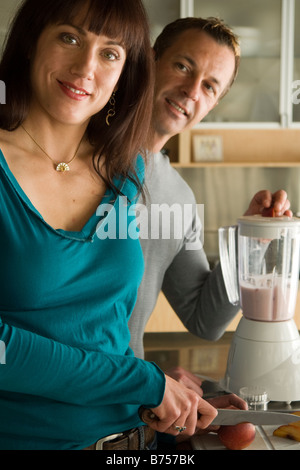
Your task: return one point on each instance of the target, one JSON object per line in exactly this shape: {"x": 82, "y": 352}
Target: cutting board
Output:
{"x": 264, "y": 440}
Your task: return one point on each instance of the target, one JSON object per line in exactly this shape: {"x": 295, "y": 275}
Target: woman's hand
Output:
{"x": 181, "y": 407}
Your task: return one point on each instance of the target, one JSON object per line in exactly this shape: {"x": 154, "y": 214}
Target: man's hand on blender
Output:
{"x": 264, "y": 200}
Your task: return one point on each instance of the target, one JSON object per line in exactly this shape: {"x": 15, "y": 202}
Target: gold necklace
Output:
{"x": 61, "y": 167}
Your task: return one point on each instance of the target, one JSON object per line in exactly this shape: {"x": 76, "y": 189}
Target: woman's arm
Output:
{"x": 40, "y": 366}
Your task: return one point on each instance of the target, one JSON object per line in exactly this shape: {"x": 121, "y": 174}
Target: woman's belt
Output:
{"x": 135, "y": 439}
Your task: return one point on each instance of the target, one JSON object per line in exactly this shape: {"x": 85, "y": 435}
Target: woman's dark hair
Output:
{"x": 125, "y": 20}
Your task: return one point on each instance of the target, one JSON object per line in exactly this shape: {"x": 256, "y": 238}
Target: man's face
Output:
{"x": 191, "y": 75}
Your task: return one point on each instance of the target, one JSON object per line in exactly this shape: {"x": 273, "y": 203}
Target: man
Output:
{"x": 196, "y": 63}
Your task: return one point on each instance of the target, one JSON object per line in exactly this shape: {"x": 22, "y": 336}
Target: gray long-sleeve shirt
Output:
{"x": 197, "y": 294}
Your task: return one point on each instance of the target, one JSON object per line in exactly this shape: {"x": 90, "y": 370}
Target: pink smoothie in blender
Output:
{"x": 264, "y": 301}
{"x": 268, "y": 270}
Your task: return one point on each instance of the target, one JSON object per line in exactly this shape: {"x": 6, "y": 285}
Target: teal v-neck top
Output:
{"x": 69, "y": 376}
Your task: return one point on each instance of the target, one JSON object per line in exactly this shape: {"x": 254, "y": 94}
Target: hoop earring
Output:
{"x": 111, "y": 112}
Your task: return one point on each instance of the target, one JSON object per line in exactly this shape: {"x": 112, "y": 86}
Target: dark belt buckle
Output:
{"x": 99, "y": 444}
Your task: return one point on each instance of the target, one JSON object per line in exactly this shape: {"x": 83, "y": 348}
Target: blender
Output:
{"x": 260, "y": 264}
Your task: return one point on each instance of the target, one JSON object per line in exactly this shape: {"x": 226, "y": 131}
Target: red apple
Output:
{"x": 268, "y": 212}
{"x": 237, "y": 437}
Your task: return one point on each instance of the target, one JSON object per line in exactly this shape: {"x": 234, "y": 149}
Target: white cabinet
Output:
{"x": 296, "y": 70}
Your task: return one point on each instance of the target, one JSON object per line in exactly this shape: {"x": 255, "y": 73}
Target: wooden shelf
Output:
{"x": 264, "y": 148}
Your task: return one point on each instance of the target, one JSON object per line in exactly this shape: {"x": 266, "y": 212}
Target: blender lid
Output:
{"x": 270, "y": 227}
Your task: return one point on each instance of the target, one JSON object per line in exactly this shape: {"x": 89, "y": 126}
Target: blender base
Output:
{"x": 265, "y": 354}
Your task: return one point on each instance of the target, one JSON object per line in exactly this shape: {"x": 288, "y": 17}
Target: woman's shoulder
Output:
{"x": 6, "y": 138}
{"x": 4, "y": 141}
{"x": 9, "y": 140}
{"x": 11, "y": 147}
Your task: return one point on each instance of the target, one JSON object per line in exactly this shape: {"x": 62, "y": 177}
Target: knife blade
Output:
{"x": 230, "y": 417}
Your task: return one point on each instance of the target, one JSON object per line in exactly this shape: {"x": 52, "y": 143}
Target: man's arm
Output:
{"x": 198, "y": 295}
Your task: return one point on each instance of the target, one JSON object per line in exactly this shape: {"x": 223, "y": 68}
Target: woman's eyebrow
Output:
{"x": 78, "y": 28}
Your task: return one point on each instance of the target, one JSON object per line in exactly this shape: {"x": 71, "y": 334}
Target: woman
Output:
{"x": 79, "y": 77}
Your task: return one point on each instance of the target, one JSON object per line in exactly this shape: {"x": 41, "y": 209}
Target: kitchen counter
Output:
{"x": 264, "y": 440}
{"x": 209, "y": 359}
{"x": 186, "y": 350}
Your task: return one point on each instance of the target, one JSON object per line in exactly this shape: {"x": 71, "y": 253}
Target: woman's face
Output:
{"x": 74, "y": 72}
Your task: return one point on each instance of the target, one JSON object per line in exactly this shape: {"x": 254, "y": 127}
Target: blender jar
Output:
{"x": 268, "y": 267}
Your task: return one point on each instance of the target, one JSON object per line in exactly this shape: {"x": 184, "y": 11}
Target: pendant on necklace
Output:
{"x": 62, "y": 167}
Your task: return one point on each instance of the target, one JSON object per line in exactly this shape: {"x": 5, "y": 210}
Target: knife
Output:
{"x": 229, "y": 417}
